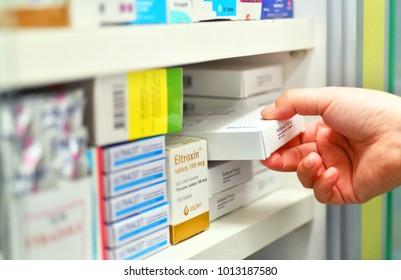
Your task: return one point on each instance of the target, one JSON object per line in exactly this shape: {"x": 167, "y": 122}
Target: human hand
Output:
{"x": 352, "y": 153}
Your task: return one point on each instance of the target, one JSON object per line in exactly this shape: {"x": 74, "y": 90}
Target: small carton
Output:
{"x": 129, "y": 204}
{"x": 263, "y": 183}
{"x": 151, "y": 12}
{"x": 179, "y": 11}
{"x": 134, "y": 153}
{"x": 226, "y": 201}
{"x": 272, "y": 9}
{"x": 235, "y": 134}
{"x": 137, "y": 226}
{"x": 206, "y": 10}
{"x": 134, "y": 105}
{"x": 223, "y": 175}
{"x": 143, "y": 247}
{"x": 134, "y": 178}
{"x": 202, "y": 102}
{"x": 187, "y": 186}
{"x": 229, "y": 80}
{"x": 117, "y": 11}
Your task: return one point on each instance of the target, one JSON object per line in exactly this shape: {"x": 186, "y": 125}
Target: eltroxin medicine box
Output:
{"x": 143, "y": 247}
{"x": 137, "y": 226}
{"x": 134, "y": 178}
{"x": 134, "y": 153}
{"x": 134, "y": 105}
{"x": 231, "y": 80}
{"x": 235, "y": 134}
{"x": 135, "y": 202}
{"x": 187, "y": 186}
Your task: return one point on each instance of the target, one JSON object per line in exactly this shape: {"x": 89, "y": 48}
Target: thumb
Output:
{"x": 302, "y": 101}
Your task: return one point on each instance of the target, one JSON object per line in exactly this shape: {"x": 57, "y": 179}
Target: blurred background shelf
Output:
{"x": 35, "y": 57}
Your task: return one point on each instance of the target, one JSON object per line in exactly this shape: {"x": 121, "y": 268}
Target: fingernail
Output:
{"x": 329, "y": 174}
{"x": 268, "y": 110}
{"x": 309, "y": 162}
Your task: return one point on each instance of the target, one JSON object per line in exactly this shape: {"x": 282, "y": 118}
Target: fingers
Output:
{"x": 288, "y": 158}
{"x": 303, "y": 101}
{"x": 312, "y": 174}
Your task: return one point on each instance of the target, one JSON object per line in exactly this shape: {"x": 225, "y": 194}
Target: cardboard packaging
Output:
{"x": 151, "y": 12}
{"x": 187, "y": 186}
{"x": 226, "y": 201}
{"x": 49, "y": 13}
{"x": 134, "y": 105}
{"x": 137, "y": 226}
{"x": 132, "y": 203}
{"x": 142, "y": 248}
{"x": 179, "y": 11}
{"x": 230, "y": 80}
{"x": 201, "y": 102}
{"x": 134, "y": 178}
{"x": 53, "y": 224}
{"x": 117, "y": 11}
{"x": 223, "y": 175}
{"x": 272, "y": 9}
{"x": 240, "y": 134}
{"x": 205, "y": 10}
{"x": 134, "y": 153}
{"x": 263, "y": 183}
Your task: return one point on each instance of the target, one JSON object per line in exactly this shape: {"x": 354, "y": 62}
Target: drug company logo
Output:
{"x": 186, "y": 210}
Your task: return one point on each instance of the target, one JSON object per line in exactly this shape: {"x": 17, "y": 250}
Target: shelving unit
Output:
{"x": 246, "y": 230}
{"x": 48, "y": 56}
{"x": 110, "y": 50}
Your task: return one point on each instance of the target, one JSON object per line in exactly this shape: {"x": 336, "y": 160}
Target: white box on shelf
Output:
{"x": 229, "y": 80}
{"x": 187, "y": 186}
{"x": 53, "y": 224}
{"x": 226, "y": 10}
{"x": 235, "y": 134}
{"x": 262, "y": 183}
{"x": 117, "y": 11}
{"x": 226, "y": 201}
{"x": 248, "y": 9}
{"x": 179, "y": 11}
{"x": 202, "y": 102}
{"x": 135, "y": 202}
{"x": 137, "y": 226}
{"x": 143, "y": 247}
{"x": 223, "y": 175}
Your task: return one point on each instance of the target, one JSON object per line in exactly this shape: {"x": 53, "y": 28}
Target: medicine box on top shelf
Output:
{"x": 231, "y": 80}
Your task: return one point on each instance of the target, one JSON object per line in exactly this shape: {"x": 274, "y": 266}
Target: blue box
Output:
{"x": 272, "y": 9}
{"x": 151, "y": 11}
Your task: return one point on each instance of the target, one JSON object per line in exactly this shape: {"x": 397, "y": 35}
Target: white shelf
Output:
{"x": 45, "y": 56}
{"x": 246, "y": 230}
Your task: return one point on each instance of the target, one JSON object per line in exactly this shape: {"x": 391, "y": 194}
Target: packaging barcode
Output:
{"x": 119, "y": 109}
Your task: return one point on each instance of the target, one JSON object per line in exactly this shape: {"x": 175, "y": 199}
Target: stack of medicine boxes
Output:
{"x": 136, "y": 212}
{"x": 222, "y": 85}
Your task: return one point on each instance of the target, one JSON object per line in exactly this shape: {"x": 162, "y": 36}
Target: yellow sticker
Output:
{"x": 147, "y": 103}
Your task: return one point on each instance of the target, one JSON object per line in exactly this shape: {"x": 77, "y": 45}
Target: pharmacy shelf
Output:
{"x": 248, "y": 229}
{"x": 36, "y": 57}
